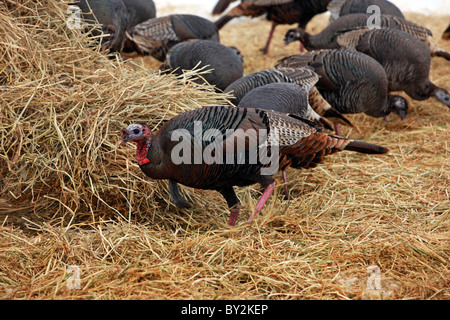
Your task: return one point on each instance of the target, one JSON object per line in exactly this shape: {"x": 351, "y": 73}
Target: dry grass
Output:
{"x": 71, "y": 196}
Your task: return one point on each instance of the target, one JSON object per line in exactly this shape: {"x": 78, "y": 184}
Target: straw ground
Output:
{"x": 70, "y": 195}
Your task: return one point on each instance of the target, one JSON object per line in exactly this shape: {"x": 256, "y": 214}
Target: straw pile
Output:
{"x": 63, "y": 105}
{"x": 69, "y": 195}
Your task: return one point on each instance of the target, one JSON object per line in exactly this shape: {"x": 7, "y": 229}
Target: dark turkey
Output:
{"x": 446, "y": 34}
{"x": 217, "y": 148}
{"x": 340, "y": 8}
{"x": 282, "y": 97}
{"x": 277, "y": 11}
{"x": 224, "y": 62}
{"x": 351, "y": 82}
{"x": 405, "y": 59}
{"x": 156, "y": 36}
{"x": 304, "y": 77}
{"x": 139, "y": 11}
{"x": 113, "y": 17}
{"x": 327, "y": 38}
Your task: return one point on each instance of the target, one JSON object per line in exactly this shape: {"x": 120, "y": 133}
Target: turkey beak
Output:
{"x": 402, "y": 114}
{"x": 125, "y": 136}
{"x": 442, "y": 96}
{"x": 287, "y": 40}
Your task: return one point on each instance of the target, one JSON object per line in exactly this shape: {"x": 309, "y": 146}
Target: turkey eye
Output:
{"x": 136, "y": 131}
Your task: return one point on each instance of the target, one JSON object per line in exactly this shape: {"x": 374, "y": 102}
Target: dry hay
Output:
{"x": 71, "y": 196}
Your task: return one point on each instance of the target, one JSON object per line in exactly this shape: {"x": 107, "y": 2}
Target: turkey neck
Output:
{"x": 150, "y": 155}
{"x": 307, "y": 41}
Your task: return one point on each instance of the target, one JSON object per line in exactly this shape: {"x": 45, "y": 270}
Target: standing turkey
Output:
{"x": 304, "y": 77}
{"x": 340, "y": 8}
{"x": 113, "y": 17}
{"x": 277, "y": 11}
{"x": 228, "y": 157}
{"x": 284, "y": 97}
{"x": 139, "y": 11}
{"x": 405, "y": 59}
{"x": 156, "y": 36}
{"x": 224, "y": 62}
{"x": 327, "y": 38}
{"x": 351, "y": 82}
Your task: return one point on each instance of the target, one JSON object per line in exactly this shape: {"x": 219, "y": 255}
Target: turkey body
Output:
{"x": 156, "y": 36}
{"x": 350, "y": 81}
{"x": 225, "y": 63}
{"x": 113, "y": 17}
{"x": 305, "y": 78}
{"x": 239, "y": 147}
{"x": 405, "y": 59}
{"x": 327, "y": 38}
{"x": 277, "y": 11}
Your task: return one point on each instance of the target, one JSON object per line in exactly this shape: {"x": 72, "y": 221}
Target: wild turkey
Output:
{"x": 304, "y": 77}
{"x": 446, "y": 34}
{"x": 351, "y": 82}
{"x": 278, "y": 11}
{"x": 282, "y": 97}
{"x": 139, "y": 11}
{"x": 111, "y": 15}
{"x": 156, "y": 36}
{"x": 224, "y": 62}
{"x": 340, "y": 8}
{"x": 236, "y": 147}
{"x": 327, "y": 38}
{"x": 405, "y": 59}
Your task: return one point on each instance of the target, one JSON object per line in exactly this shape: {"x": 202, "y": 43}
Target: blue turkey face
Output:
{"x": 400, "y": 106}
{"x": 133, "y": 132}
{"x": 293, "y": 35}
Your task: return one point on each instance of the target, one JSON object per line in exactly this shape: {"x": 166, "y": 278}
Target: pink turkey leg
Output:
{"x": 234, "y": 213}
{"x": 336, "y": 129}
{"x": 262, "y": 201}
{"x": 269, "y": 39}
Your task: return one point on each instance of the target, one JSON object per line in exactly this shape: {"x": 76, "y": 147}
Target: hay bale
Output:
{"x": 63, "y": 103}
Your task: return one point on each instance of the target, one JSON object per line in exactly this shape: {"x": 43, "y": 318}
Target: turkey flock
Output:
{"x": 349, "y": 67}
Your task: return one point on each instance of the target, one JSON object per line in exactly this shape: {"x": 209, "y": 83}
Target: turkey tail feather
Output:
{"x": 365, "y": 147}
{"x": 223, "y": 21}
